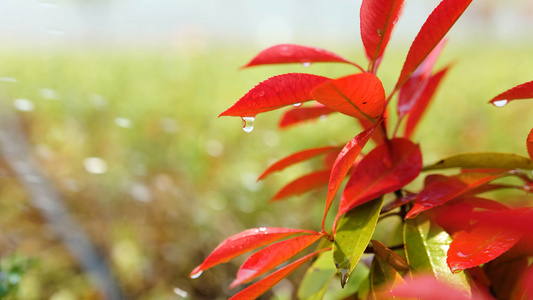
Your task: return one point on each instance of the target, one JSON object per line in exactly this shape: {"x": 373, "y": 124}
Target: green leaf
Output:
{"x": 383, "y": 277}
{"x": 426, "y": 245}
{"x": 354, "y": 231}
{"x": 483, "y": 160}
{"x": 317, "y": 278}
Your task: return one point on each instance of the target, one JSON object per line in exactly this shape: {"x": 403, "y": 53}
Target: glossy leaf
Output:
{"x": 301, "y": 114}
{"x": 479, "y": 245}
{"x": 243, "y": 242}
{"x": 270, "y": 257}
{"x": 425, "y": 248}
{"x": 296, "y": 158}
{"x": 352, "y": 235}
{"x": 259, "y": 288}
{"x": 343, "y": 163}
{"x": 517, "y": 219}
{"x": 359, "y": 95}
{"x": 440, "y": 189}
{"x": 274, "y": 93}
{"x": 416, "y": 84}
{"x": 429, "y": 288}
{"x": 303, "y": 184}
{"x": 421, "y": 104}
{"x": 390, "y": 257}
{"x": 432, "y": 32}
{"x": 483, "y": 160}
{"x": 382, "y": 170}
{"x": 378, "y": 18}
{"x": 522, "y": 91}
{"x": 317, "y": 278}
{"x": 529, "y": 144}
{"x": 289, "y": 53}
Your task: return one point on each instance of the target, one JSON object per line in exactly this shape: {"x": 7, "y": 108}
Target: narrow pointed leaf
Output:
{"x": 259, "y": 288}
{"x": 425, "y": 248}
{"x": 483, "y": 160}
{"x": 378, "y": 18}
{"x": 434, "y": 29}
{"x": 442, "y": 189}
{"x": 352, "y": 235}
{"x": 303, "y": 184}
{"x": 479, "y": 245}
{"x": 429, "y": 288}
{"x": 289, "y": 53}
{"x": 317, "y": 278}
{"x": 301, "y": 114}
{"x": 359, "y": 95}
{"x": 343, "y": 163}
{"x": 243, "y": 242}
{"x": 421, "y": 104}
{"x": 274, "y": 93}
{"x": 382, "y": 171}
{"x": 529, "y": 144}
{"x": 296, "y": 158}
{"x": 522, "y": 91}
{"x": 270, "y": 257}
{"x": 416, "y": 84}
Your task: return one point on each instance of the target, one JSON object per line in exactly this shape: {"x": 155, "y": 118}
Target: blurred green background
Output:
{"x": 131, "y": 138}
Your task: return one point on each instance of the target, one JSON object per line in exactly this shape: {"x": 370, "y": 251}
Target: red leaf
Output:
{"x": 416, "y": 84}
{"x": 385, "y": 169}
{"x": 243, "y": 242}
{"x": 529, "y": 144}
{"x": 288, "y": 53}
{"x": 479, "y": 245}
{"x": 303, "y": 184}
{"x": 271, "y": 256}
{"x": 343, "y": 163}
{"x": 359, "y": 95}
{"x": 296, "y": 158}
{"x": 260, "y": 287}
{"x": 378, "y": 18}
{"x": 518, "y": 219}
{"x": 522, "y": 91}
{"x": 429, "y": 288}
{"x": 301, "y": 114}
{"x": 422, "y": 102}
{"x": 525, "y": 286}
{"x": 434, "y": 29}
{"x": 439, "y": 189}
{"x": 275, "y": 92}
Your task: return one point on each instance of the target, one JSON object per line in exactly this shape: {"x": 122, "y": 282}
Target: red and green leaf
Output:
{"x": 259, "y": 288}
{"x": 421, "y": 104}
{"x": 522, "y": 91}
{"x": 301, "y": 114}
{"x": 432, "y": 32}
{"x": 481, "y": 244}
{"x": 378, "y": 18}
{"x": 303, "y": 184}
{"x": 243, "y": 242}
{"x": 296, "y": 158}
{"x": 359, "y": 95}
{"x": 270, "y": 257}
{"x": 274, "y": 93}
{"x": 390, "y": 166}
{"x": 343, "y": 163}
{"x": 289, "y": 53}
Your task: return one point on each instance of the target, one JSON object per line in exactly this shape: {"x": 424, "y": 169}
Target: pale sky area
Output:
{"x": 176, "y": 23}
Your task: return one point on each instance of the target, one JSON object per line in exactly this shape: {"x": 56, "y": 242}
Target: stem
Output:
{"x": 370, "y": 249}
{"x": 358, "y": 66}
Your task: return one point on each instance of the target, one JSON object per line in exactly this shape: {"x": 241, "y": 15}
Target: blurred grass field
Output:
{"x": 171, "y": 180}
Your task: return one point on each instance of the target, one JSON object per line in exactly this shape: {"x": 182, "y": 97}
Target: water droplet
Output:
{"x": 344, "y": 276}
{"x": 248, "y": 124}
{"x": 306, "y": 64}
{"x": 500, "y": 103}
{"x": 196, "y": 275}
{"x": 262, "y": 229}
{"x": 95, "y": 165}
{"x": 260, "y": 93}
{"x": 23, "y": 104}
{"x": 297, "y": 104}
{"x": 461, "y": 254}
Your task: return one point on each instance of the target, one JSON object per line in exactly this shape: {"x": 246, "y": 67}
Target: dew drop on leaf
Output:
{"x": 248, "y": 124}
{"x": 306, "y": 64}
{"x": 344, "y": 276}
{"x": 461, "y": 254}
{"x": 297, "y": 104}
{"x": 500, "y": 103}
{"x": 196, "y": 275}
